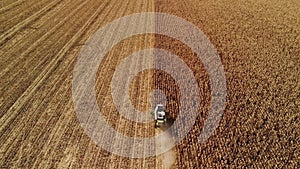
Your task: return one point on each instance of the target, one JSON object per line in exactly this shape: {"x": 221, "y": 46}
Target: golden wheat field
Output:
{"x": 258, "y": 42}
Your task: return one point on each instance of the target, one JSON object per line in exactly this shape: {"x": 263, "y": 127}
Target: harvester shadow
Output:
{"x": 168, "y": 124}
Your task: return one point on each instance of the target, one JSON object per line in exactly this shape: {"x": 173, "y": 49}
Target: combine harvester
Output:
{"x": 159, "y": 116}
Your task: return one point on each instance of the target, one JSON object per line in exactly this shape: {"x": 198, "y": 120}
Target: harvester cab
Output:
{"x": 159, "y": 115}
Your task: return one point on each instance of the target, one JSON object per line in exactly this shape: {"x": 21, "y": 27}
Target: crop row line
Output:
{"x": 12, "y": 31}
{"x": 13, "y": 111}
{"x": 41, "y": 39}
{"x": 16, "y": 3}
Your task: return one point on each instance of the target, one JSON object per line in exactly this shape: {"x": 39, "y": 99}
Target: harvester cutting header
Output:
{"x": 159, "y": 115}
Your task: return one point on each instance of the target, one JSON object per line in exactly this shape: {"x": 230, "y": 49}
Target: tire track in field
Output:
{"x": 12, "y": 31}
{"x": 34, "y": 86}
{"x": 13, "y": 16}
{"x": 89, "y": 21}
{"x": 11, "y": 5}
{"x": 5, "y": 3}
{"x": 48, "y": 124}
{"x": 25, "y": 134}
{"x": 42, "y": 125}
{"x": 12, "y": 112}
{"x": 22, "y": 41}
{"x": 31, "y": 48}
